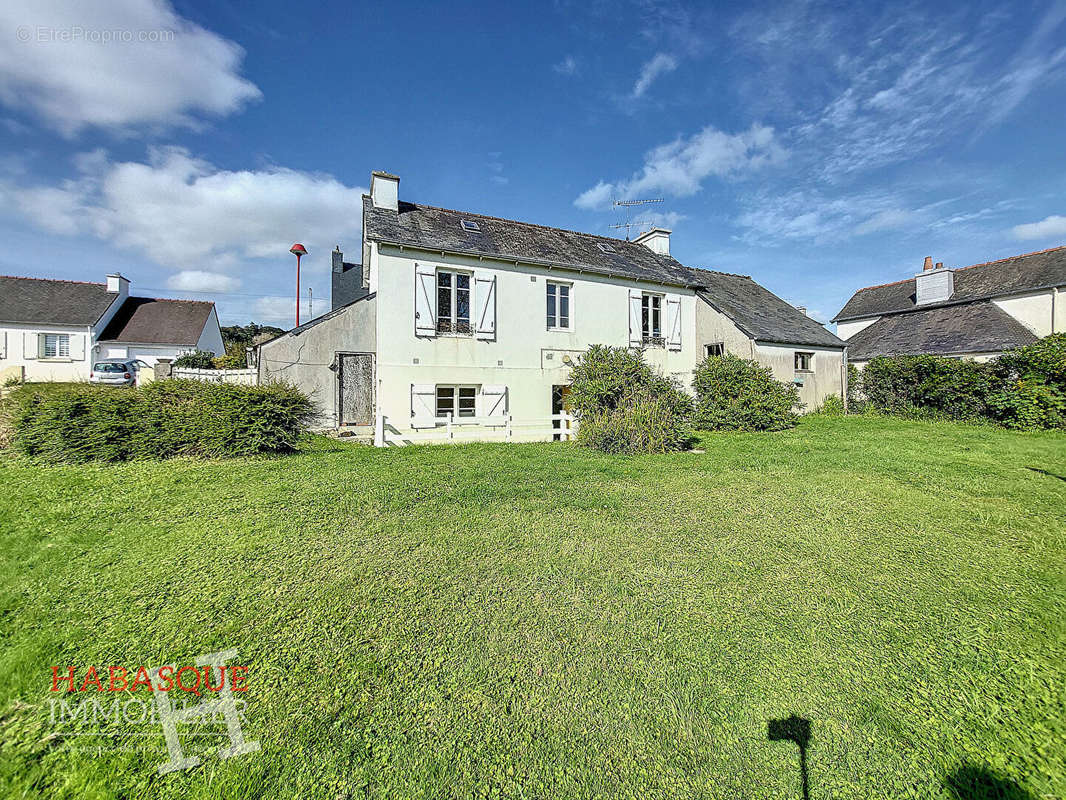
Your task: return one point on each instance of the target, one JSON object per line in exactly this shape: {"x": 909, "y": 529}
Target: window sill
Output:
{"x": 560, "y": 330}
{"x": 56, "y": 360}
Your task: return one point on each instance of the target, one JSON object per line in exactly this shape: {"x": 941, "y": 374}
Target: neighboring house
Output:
{"x": 479, "y": 316}
{"x": 54, "y": 330}
{"x": 969, "y": 312}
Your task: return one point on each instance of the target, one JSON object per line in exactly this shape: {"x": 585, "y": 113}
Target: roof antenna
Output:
{"x": 628, "y": 206}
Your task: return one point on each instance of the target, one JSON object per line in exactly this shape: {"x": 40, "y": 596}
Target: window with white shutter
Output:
{"x": 635, "y": 333}
{"x": 423, "y": 403}
{"x": 485, "y": 300}
{"x": 425, "y": 301}
{"x": 673, "y": 321}
{"x": 493, "y": 400}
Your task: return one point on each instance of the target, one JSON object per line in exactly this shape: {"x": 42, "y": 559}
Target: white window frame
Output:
{"x": 60, "y": 345}
{"x": 452, "y": 329}
{"x": 548, "y": 285}
{"x": 707, "y": 349}
{"x": 656, "y": 304}
{"x": 455, "y": 388}
{"x": 806, "y": 357}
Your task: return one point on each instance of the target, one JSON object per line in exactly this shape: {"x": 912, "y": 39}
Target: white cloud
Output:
{"x": 568, "y": 66}
{"x": 885, "y": 220}
{"x": 68, "y": 73}
{"x": 659, "y": 65}
{"x": 197, "y": 280}
{"x": 679, "y": 167}
{"x": 1047, "y": 228}
{"x": 182, "y": 212}
{"x": 280, "y": 310}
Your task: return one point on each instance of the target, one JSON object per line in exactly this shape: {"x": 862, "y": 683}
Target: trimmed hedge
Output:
{"x": 625, "y": 406}
{"x": 734, "y": 394}
{"x": 1023, "y": 389}
{"x": 81, "y": 422}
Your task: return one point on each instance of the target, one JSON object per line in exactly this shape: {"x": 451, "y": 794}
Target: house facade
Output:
{"x": 54, "y": 330}
{"x": 974, "y": 312}
{"x": 481, "y": 317}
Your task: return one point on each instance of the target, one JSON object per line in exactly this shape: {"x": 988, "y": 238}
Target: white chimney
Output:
{"x": 933, "y": 284}
{"x": 385, "y": 190}
{"x": 657, "y": 240}
{"x": 116, "y": 284}
{"x": 802, "y": 310}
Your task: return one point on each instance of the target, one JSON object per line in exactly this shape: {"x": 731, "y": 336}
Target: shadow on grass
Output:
{"x": 793, "y": 729}
{"x": 977, "y": 783}
{"x": 1045, "y": 472}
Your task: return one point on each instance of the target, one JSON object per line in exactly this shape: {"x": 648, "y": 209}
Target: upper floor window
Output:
{"x": 651, "y": 316}
{"x": 453, "y": 302}
{"x": 55, "y": 345}
{"x": 803, "y": 362}
{"x": 717, "y": 349}
{"x": 558, "y": 305}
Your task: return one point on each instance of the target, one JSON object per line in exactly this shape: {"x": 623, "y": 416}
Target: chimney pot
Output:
{"x": 928, "y": 263}
{"x": 939, "y": 264}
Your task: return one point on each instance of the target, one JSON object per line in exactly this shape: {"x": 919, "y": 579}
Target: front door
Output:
{"x": 356, "y": 376}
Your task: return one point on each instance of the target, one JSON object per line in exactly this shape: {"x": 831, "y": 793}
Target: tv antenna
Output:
{"x": 628, "y": 206}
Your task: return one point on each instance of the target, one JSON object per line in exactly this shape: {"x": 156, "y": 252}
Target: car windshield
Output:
{"x": 106, "y": 366}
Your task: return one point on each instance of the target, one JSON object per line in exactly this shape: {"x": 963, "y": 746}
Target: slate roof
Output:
{"x": 757, "y": 311}
{"x": 52, "y": 302}
{"x": 1027, "y": 272}
{"x": 144, "y": 320}
{"x": 978, "y": 327}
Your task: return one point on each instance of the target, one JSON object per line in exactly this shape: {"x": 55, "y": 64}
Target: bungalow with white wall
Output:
{"x": 964, "y": 312}
{"x": 477, "y": 317}
{"x": 53, "y": 330}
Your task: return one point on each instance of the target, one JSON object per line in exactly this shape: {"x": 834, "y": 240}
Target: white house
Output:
{"x": 480, "y": 317}
{"x": 967, "y": 312}
{"x": 53, "y": 330}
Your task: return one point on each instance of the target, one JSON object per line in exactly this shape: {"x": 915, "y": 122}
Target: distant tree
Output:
{"x": 248, "y": 335}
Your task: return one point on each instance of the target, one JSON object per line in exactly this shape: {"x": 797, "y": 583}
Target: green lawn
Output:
{"x": 530, "y": 621}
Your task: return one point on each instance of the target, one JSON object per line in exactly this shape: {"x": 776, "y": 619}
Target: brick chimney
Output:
{"x": 928, "y": 265}
{"x": 385, "y": 190}
{"x": 657, "y": 240}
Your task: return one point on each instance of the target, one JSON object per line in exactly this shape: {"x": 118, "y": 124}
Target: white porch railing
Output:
{"x": 503, "y": 428}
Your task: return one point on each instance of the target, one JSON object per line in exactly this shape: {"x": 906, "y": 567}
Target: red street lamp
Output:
{"x": 298, "y": 250}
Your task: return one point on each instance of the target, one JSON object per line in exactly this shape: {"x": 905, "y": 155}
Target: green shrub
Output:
{"x": 832, "y": 406}
{"x": 81, "y": 422}
{"x": 735, "y": 394}
{"x": 934, "y": 386}
{"x": 1043, "y": 361}
{"x": 624, "y": 405}
{"x": 643, "y": 425}
{"x": 236, "y": 357}
{"x": 1029, "y": 404}
{"x": 197, "y": 359}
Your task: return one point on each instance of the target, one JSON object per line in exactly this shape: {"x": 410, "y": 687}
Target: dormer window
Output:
{"x": 470, "y": 225}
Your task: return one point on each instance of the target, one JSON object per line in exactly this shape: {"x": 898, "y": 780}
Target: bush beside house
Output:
{"x": 1023, "y": 389}
{"x": 734, "y": 394}
{"x": 167, "y": 418}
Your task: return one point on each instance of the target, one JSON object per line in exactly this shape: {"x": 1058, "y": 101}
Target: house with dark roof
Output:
{"x": 478, "y": 318}
{"x": 54, "y": 330}
{"x": 974, "y": 312}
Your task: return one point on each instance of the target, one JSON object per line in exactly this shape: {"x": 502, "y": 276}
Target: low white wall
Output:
{"x": 242, "y": 377}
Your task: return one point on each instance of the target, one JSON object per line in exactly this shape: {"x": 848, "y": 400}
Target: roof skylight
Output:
{"x": 470, "y": 225}
{"x": 605, "y": 247}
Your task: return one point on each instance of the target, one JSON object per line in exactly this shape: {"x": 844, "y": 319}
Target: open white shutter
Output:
{"x": 32, "y": 346}
{"x": 493, "y": 400}
{"x": 425, "y": 308}
{"x": 485, "y": 299}
{"x": 423, "y": 401}
{"x": 673, "y": 321}
{"x": 636, "y": 334}
{"x": 77, "y": 347}
{"x": 3, "y": 344}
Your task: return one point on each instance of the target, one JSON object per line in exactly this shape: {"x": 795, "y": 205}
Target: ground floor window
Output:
{"x": 803, "y": 362}
{"x": 717, "y": 349}
{"x": 56, "y": 345}
{"x": 458, "y": 401}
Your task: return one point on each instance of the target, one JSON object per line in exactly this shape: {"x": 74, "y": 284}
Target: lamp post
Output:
{"x": 298, "y": 250}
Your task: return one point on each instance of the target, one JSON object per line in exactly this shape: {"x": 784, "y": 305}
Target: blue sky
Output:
{"x": 819, "y": 147}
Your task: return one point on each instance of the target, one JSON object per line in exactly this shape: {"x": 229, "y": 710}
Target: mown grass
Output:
{"x": 545, "y": 621}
